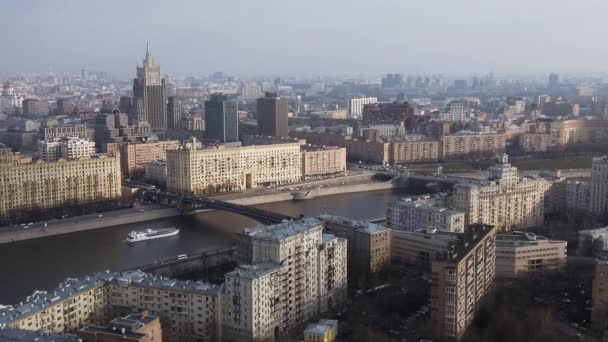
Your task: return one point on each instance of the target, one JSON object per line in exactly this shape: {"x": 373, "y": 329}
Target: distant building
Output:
{"x": 560, "y": 135}
{"x": 369, "y": 244}
{"x": 462, "y": 277}
{"x": 221, "y": 119}
{"x": 141, "y": 327}
{"x": 325, "y": 330}
{"x": 149, "y": 94}
{"x": 272, "y": 114}
{"x": 591, "y": 241}
{"x": 355, "y": 106}
{"x": 71, "y": 131}
{"x": 318, "y": 161}
{"x": 135, "y": 155}
{"x": 174, "y": 112}
{"x": 64, "y": 106}
{"x": 553, "y": 81}
{"x": 520, "y": 253}
{"x": 66, "y": 148}
{"x": 35, "y": 106}
{"x": 156, "y": 172}
{"x": 471, "y": 145}
{"x": 387, "y": 113}
{"x": 599, "y": 186}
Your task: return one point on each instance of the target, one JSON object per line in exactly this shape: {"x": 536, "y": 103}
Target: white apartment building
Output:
{"x": 219, "y": 169}
{"x": 506, "y": 201}
{"x": 66, "y": 148}
{"x": 355, "y": 106}
{"x": 599, "y": 186}
{"x": 412, "y": 214}
{"x": 300, "y": 271}
{"x": 521, "y": 252}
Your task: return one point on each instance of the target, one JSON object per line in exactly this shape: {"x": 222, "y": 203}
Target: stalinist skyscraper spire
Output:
{"x": 149, "y": 96}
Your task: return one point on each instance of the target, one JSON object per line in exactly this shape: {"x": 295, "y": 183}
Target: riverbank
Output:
{"x": 149, "y": 213}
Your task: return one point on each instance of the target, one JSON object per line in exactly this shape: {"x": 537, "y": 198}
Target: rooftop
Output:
{"x": 282, "y": 231}
{"x": 148, "y": 280}
{"x": 321, "y": 328}
{"x": 254, "y": 271}
{"x": 11, "y": 334}
{"x": 520, "y": 239}
{"x": 363, "y": 226}
{"x": 467, "y": 241}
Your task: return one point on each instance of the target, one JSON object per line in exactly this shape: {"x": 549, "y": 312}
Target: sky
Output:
{"x": 312, "y": 37}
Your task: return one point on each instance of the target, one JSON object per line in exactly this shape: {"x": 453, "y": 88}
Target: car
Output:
{"x": 182, "y": 256}
{"x": 31, "y": 223}
{"x": 100, "y": 215}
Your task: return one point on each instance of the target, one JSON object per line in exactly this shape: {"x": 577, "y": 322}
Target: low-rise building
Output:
{"x": 140, "y": 327}
{"x": 325, "y": 330}
{"x": 369, "y": 244}
{"x": 135, "y": 155}
{"x": 521, "y": 253}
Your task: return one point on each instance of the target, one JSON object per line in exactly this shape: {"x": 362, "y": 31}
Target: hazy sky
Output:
{"x": 250, "y": 37}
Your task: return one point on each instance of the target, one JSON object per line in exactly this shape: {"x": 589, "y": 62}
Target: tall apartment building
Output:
{"x": 149, "y": 94}
{"x": 411, "y": 214}
{"x": 272, "y": 113}
{"x": 506, "y": 201}
{"x": 66, "y": 148}
{"x": 221, "y": 119}
{"x": 135, "y": 155}
{"x": 55, "y": 185}
{"x": 599, "y": 186}
{"x": 599, "y": 297}
{"x": 369, "y": 244}
{"x": 320, "y": 161}
{"x": 294, "y": 272}
{"x": 520, "y": 253}
{"x": 471, "y": 144}
{"x": 212, "y": 170}
{"x": 461, "y": 278}
{"x": 355, "y": 106}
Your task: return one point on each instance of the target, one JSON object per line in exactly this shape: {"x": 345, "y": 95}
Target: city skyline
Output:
{"x": 326, "y": 38}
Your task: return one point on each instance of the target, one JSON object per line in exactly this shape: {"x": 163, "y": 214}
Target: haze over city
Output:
{"x": 313, "y": 37}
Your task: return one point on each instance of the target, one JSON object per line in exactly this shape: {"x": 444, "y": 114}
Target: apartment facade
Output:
{"x": 471, "y": 145}
{"x": 461, "y": 278}
{"x": 219, "y": 169}
{"x": 411, "y": 214}
{"x": 319, "y": 161}
{"x": 369, "y": 244}
{"x": 555, "y": 136}
{"x": 506, "y": 201}
{"x": 355, "y": 106}
{"x": 135, "y": 155}
{"x": 520, "y": 253}
{"x": 42, "y": 185}
{"x": 420, "y": 248}
{"x": 599, "y": 186}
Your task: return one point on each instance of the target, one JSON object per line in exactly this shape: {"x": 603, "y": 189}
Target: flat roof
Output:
{"x": 21, "y": 335}
{"x": 254, "y": 271}
{"x": 358, "y": 225}
{"x": 282, "y": 231}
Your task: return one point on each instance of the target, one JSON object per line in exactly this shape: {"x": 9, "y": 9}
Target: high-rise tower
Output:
{"x": 273, "y": 116}
{"x": 149, "y": 94}
{"x": 221, "y": 118}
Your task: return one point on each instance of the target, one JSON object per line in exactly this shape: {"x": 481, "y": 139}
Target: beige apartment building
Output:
{"x": 43, "y": 185}
{"x": 554, "y": 136}
{"x": 135, "y": 155}
{"x": 412, "y": 214}
{"x": 294, "y": 273}
{"x": 416, "y": 151}
{"x": 461, "y": 278}
{"x": 599, "y": 186}
{"x": 521, "y": 253}
{"x": 599, "y": 297}
{"x": 471, "y": 144}
{"x": 506, "y": 201}
{"x": 369, "y": 244}
{"x": 220, "y": 169}
{"x": 320, "y": 161}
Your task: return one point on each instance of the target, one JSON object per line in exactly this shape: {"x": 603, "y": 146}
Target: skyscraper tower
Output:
{"x": 272, "y": 116}
{"x": 149, "y": 94}
{"x": 221, "y": 119}
{"x": 174, "y": 112}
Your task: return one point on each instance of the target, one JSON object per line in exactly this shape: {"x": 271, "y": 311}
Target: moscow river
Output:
{"x": 43, "y": 263}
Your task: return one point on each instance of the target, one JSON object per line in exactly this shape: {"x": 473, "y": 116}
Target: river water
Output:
{"x": 43, "y": 263}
